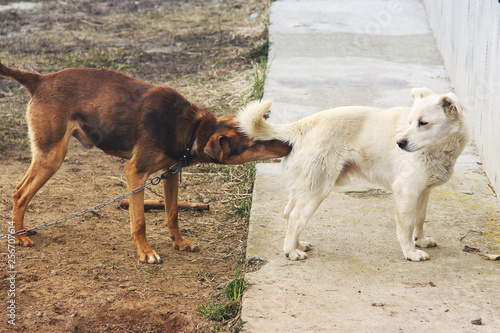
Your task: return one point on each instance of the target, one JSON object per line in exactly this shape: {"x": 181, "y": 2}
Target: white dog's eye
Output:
{"x": 422, "y": 123}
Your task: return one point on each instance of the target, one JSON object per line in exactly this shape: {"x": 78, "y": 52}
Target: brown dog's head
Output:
{"x": 228, "y": 145}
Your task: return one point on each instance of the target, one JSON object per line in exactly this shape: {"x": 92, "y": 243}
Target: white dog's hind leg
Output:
{"x": 300, "y": 215}
{"x": 418, "y": 234}
{"x": 289, "y": 207}
{"x": 286, "y": 213}
{"x": 304, "y": 246}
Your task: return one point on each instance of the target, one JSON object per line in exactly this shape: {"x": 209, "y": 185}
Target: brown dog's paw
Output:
{"x": 185, "y": 245}
{"x": 150, "y": 257}
{"x": 24, "y": 241}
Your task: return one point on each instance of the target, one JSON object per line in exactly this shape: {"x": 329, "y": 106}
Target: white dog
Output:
{"x": 407, "y": 150}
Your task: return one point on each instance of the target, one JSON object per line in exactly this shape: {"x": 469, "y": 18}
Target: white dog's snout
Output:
{"x": 402, "y": 143}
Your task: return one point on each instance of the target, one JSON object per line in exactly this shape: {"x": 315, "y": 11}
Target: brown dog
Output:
{"x": 152, "y": 126}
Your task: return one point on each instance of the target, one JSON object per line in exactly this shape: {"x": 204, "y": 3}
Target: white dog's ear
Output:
{"x": 418, "y": 93}
{"x": 451, "y": 105}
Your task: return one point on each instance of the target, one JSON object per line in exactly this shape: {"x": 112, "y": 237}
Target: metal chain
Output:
{"x": 176, "y": 168}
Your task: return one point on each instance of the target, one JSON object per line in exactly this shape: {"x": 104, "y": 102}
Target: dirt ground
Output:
{"x": 84, "y": 275}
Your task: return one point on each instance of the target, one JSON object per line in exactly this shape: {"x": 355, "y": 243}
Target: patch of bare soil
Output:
{"x": 84, "y": 275}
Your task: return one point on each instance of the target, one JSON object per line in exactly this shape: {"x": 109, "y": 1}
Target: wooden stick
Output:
{"x": 159, "y": 204}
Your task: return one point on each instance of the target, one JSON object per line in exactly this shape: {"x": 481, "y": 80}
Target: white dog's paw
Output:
{"x": 425, "y": 242}
{"x": 296, "y": 255}
{"x": 304, "y": 246}
{"x": 417, "y": 255}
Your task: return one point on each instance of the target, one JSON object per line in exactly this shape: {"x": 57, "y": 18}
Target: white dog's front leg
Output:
{"x": 407, "y": 218}
{"x": 405, "y": 238}
{"x": 425, "y": 242}
{"x": 418, "y": 234}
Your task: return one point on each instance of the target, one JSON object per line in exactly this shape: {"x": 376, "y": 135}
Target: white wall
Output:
{"x": 468, "y": 35}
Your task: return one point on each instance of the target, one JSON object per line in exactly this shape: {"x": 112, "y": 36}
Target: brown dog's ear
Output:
{"x": 218, "y": 147}
{"x": 451, "y": 105}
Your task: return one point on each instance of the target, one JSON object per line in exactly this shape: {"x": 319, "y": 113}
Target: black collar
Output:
{"x": 186, "y": 155}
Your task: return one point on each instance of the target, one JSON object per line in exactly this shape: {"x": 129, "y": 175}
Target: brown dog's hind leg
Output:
{"x": 170, "y": 192}
{"x": 43, "y": 166}
{"x": 136, "y": 179}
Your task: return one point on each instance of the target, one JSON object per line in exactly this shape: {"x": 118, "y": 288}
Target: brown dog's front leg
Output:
{"x": 170, "y": 192}
{"x": 137, "y": 218}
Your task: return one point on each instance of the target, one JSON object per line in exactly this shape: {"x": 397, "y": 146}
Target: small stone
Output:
{"x": 255, "y": 15}
{"x": 478, "y": 321}
{"x": 378, "y": 304}
{"x": 110, "y": 299}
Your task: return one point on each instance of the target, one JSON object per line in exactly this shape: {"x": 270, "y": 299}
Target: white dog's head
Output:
{"x": 433, "y": 119}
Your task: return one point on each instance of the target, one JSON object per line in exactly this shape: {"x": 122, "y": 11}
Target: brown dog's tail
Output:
{"x": 27, "y": 79}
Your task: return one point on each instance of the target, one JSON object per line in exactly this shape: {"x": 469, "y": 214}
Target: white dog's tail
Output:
{"x": 252, "y": 123}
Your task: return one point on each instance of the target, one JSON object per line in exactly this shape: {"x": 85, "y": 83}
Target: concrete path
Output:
{"x": 366, "y": 52}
